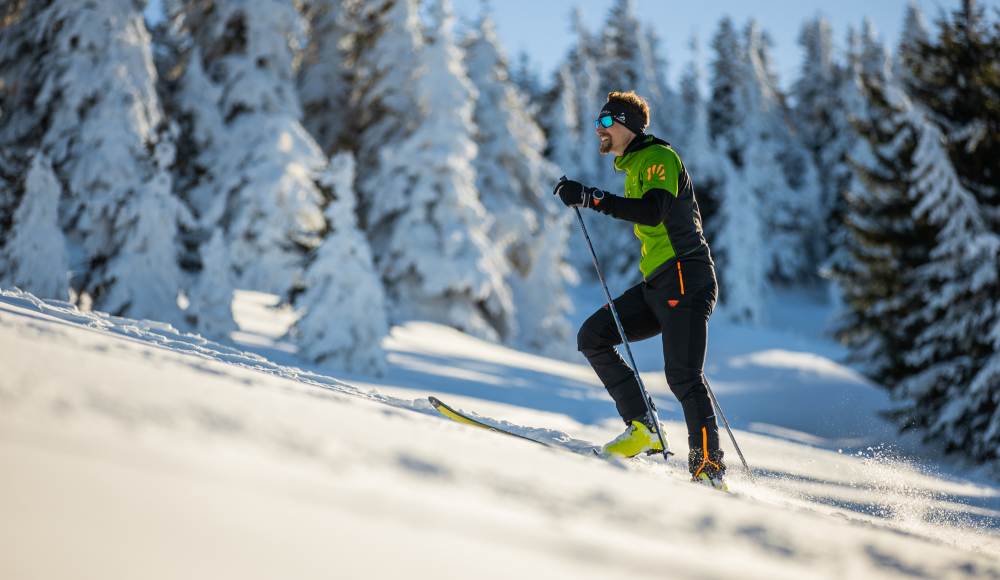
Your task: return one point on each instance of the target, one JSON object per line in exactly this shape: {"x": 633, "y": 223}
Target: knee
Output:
{"x": 684, "y": 384}
{"x": 589, "y": 336}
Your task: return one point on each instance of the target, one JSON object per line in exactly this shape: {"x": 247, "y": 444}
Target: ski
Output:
{"x": 465, "y": 419}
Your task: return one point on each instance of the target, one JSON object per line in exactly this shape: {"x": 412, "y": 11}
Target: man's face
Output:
{"x": 614, "y": 139}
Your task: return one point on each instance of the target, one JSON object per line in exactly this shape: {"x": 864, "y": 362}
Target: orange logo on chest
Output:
{"x": 656, "y": 171}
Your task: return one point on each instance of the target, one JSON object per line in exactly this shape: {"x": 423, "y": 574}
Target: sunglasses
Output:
{"x": 605, "y": 121}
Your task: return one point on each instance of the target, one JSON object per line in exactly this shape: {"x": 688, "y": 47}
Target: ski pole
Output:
{"x": 621, "y": 331}
{"x": 730, "y": 431}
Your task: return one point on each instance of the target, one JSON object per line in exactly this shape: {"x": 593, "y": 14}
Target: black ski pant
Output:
{"x": 675, "y": 303}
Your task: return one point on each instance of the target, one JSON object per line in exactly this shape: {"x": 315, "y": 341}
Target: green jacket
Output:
{"x": 660, "y": 201}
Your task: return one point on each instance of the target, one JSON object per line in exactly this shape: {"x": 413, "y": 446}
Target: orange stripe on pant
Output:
{"x": 681, "y": 276}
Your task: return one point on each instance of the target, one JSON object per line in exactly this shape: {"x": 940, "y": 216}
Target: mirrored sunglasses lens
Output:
{"x": 606, "y": 121}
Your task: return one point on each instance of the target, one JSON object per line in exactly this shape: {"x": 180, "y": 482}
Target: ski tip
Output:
{"x": 435, "y": 401}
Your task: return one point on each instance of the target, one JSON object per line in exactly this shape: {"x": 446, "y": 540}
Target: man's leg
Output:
{"x": 597, "y": 340}
{"x": 682, "y": 301}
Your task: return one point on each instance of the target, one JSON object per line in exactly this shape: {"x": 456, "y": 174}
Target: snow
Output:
{"x": 132, "y": 450}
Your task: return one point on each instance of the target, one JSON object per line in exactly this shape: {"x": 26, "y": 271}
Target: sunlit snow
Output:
{"x": 129, "y": 450}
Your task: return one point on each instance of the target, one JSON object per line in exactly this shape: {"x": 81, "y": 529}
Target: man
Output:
{"x": 675, "y": 298}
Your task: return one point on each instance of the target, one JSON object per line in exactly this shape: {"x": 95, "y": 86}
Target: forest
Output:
{"x": 374, "y": 161}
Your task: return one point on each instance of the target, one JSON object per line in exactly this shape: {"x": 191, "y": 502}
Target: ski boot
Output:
{"x": 638, "y": 437}
{"x": 707, "y": 468}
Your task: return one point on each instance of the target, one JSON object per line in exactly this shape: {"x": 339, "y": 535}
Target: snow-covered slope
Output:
{"x": 128, "y": 450}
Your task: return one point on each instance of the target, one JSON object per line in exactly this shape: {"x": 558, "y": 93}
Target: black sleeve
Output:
{"x": 649, "y": 210}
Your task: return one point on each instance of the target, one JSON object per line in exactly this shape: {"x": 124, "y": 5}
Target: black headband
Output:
{"x": 627, "y": 119}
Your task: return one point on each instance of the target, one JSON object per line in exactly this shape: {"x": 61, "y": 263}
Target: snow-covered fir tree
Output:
{"x": 325, "y": 75}
{"x": 514, "y": 181}
{"x": 956, "y": 354}
{"x": 562, "y": 122}
{"x": 574, "y": 98}
{"x": 420, "y": 207}
{"x": 954, "y": 122}
{"x": 525, "y": 77}
{"x": 792, "y": 214}
{"x": 253, "y": 167}
{"x": 705, "y": 162}
{"x": 330, "y": 80}
{"x": 884, "y": 247}
{"x": 35, "y": 258}
{"x": 726, "y": 79}
{"x": 845, "y": 159}
{"x": 344, "y": 302}
{"x": 825, "y": 102}
{"x": 924, "y": 311}
{"x": 729, "y": 210}
{"x": 88, "y": 104}
{"x": 749, "y": 121}
{"x": 912, "y": 42}
{"x": 628, "y": 61}
{"x": 738, "y": 245}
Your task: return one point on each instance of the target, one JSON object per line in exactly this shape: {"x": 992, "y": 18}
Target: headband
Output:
{"x": 620, "y": 113}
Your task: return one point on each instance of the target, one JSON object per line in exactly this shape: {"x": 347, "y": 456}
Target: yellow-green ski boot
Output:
{"x": 637, "y": 438}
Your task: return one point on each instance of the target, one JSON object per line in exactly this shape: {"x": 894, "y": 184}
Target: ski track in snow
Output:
{"x": 174, "y": 443}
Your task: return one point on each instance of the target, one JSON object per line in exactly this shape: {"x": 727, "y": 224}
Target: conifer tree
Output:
{"x": 749, "y": 122}
{"x": 83, "y": 94}
{"x": 954, "y": 120}
{"x": 258, "y": 163}
{"x": 727, "y": 76}
{"x": 345, "y": 316}
{"x": 778, "y": 168}
{"x": 885, "y": 244}
{"x": 422, "y": 212}
{"x": 563, "y": 124}
{"x": 253, "y": 168}
{"x": 924, "y": 314}
{"x": 35, "y": 255}
{"x": 573, "y": 99}
{"x": 729, "y": 211}
{"x": 513, "y": 179}
{"x": 525, "y": 77}
{"x": 848, "y": 172}
{"x": 912, "y": 43}
{"x": 334, "y": 75}
{"x": 822, "y": 117}
{"x": 695, "y": 145}
{"x": 192, "y": 98}
{"x": 628, "y": 60}
{"x": 327, "y": 75}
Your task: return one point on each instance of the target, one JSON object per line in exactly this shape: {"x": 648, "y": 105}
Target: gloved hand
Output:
{"x": 575, "y": 194}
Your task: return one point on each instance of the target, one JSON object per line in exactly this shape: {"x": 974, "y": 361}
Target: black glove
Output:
{"x": 575, "y": 194}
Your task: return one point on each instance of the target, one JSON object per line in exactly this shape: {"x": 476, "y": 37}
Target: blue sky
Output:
{"x": 541, "y": 28}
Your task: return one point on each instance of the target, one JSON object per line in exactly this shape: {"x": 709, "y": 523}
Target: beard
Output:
{"x": 605, "y": 147}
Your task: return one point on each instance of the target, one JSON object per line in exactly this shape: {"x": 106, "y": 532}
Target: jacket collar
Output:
{"x": 639, "y": 142}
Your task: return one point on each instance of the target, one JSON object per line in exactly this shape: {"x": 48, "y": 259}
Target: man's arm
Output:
{"x": 649, "y": 210}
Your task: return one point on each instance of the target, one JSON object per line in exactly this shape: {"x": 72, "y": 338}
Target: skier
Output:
{"x": 675, "y": 298}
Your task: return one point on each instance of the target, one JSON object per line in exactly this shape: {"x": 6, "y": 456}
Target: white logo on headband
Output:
{"x": 620, "y": 118}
